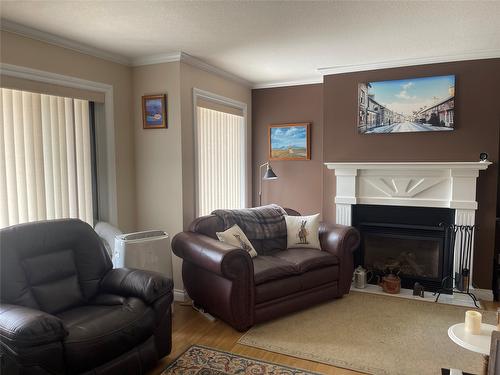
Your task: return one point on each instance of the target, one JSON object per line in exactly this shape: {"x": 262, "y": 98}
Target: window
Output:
{"x": 46, "y": 153}
{"x": 221, "y": 171}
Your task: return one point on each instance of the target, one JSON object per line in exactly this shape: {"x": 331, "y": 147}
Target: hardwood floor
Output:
{"x": 190, "y": 327}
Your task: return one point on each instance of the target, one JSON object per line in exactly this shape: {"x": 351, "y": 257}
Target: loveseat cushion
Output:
{"x": 104, "y": 330}
{"x": 275, "y": 289}
{"x": 267, "y": 268}
{"x": 307, "y": 259}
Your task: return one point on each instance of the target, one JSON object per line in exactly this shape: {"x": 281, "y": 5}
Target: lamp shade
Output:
{"x": 269, "y": 175}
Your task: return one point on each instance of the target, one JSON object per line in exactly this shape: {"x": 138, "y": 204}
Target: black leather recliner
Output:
{"x": 64, "y": 310}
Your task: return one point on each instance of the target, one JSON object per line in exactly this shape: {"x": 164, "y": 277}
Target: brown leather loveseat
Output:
{"x": 64, "y": 310}
{"x": 242, "y": 291}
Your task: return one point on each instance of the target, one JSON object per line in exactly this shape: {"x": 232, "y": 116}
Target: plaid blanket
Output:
{"x": 257, "y": 223}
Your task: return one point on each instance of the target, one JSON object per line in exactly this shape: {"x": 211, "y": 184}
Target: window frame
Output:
{"x": 219, "y": 99}
{"x": 107, "y": 181}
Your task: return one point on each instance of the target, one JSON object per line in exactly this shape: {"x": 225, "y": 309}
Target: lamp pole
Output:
{"x": 260, "y": 182}
{"x": 269, "y": 175}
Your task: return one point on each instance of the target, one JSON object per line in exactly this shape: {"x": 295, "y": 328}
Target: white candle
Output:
{"x": 473, "y": 322}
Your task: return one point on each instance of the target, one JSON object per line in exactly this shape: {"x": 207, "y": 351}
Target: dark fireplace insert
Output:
{"x": 410, "y": 241}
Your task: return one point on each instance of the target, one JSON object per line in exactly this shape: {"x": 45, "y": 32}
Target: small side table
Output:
{"x": 475, "y": 343}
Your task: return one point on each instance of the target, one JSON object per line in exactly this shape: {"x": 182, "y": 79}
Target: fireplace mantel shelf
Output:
{"x": 475, "y": 165}
{"x": 424, "y": 184}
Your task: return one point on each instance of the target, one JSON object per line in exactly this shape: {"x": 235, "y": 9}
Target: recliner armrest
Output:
{"x": 211, "y": 255}
{"x": 129, "y": 282}
{"x": 25, "y": 327}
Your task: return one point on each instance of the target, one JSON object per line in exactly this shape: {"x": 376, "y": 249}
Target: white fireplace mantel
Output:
{"x": 423, "y": 184}
{"x": 419, "y": 184}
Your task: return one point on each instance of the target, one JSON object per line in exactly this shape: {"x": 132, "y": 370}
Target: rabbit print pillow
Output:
{"x": 302, "y": 231}
{"x": 234, "y": 236}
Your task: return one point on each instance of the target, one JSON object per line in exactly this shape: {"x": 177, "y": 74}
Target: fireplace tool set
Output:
{"x": 460, "y": 282}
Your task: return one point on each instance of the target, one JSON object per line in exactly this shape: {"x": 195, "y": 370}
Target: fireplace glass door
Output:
{"x": 410, "y": 241}
{"x": 415, "y": 257}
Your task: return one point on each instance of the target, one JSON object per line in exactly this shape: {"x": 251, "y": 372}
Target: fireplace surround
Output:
{"x": 448, "y": 185}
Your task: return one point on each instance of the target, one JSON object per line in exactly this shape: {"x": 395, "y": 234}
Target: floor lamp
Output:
{"x": 269, "y": 175}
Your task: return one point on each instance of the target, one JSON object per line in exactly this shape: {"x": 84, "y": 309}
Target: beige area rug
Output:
{"x": 372, "y": 334}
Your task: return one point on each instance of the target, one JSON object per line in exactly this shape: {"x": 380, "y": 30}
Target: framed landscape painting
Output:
{"x": 154, "y": 111}
{"x": 407, "y": 105}
{"x": 290, "y": 141}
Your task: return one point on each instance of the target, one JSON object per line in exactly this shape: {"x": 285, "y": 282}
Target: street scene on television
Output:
{"x": 408, "y": 105}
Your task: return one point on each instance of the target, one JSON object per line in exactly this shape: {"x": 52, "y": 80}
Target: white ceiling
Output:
{"x": 272, "y": 42}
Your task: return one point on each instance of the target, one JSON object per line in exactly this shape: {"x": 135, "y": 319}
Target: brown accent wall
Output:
{"x": 477, "y": 122}
{"x": 300, "y": 183}
{"x": 309, "y": 187}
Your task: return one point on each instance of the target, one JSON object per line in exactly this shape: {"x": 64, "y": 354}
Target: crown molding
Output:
{"x": 299, "y": 82}
{"x": 16, "y": 28}
{"x": 156, "y": 59}
{"x": 475, "y": 55}
{"x": 197, "y": 63}
{"x": 191, "y": 60}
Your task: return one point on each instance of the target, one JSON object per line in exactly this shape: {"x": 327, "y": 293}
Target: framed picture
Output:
{"x": 407, "y": 105}
{"x": 290, "y": 141}
{"x": 154, "y": 111}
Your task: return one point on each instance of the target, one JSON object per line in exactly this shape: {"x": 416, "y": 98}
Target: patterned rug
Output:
{"x": 201, "y": 360}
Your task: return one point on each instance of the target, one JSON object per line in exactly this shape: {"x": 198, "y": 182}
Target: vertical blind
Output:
{"x": 45, "y": 158}
{"x": 220, "y": 160}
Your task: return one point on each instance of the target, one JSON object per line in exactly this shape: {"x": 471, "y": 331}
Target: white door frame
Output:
{"x": 219, "y": 99}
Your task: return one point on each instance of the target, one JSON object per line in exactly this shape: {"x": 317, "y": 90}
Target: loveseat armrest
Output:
{"x": 341, "y": 241}
{"x": 22, "y": 327}
{"x": 129, "y": 282}
{"x": 212, "y": 255}
{"x": 217, "y": 277}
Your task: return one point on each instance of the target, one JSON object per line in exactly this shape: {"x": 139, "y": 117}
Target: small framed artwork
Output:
{"x": 154, "y": 111}
{"x": 407, "y": 105}
{"x": 290, "y": 141}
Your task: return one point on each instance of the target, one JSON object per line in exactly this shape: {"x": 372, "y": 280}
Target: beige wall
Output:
{"x": 192, "y": 77}
{"x": 158, "y": 155}
{"x": 165, "y": 157}
{"x": 154, "y": 168}
{"x": 22, "y": 51}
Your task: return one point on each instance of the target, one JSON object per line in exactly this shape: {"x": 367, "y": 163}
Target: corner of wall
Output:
{"x": 192, "y": 77}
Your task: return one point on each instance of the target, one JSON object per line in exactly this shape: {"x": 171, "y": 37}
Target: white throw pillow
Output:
{"x": 234, "y": 236}
{"x": 302, "y": 231}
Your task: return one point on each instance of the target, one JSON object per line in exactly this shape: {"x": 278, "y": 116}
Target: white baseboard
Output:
{"x": 180, "y": 295}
